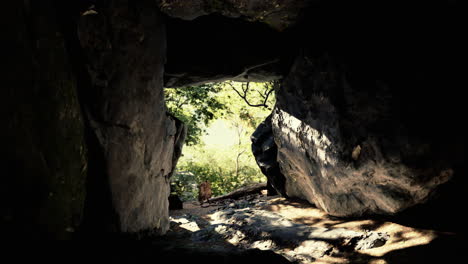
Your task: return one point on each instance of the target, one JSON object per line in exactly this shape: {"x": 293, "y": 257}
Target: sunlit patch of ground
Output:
{"x": 401, "y": 236}
{"x": 406, "y": 244}
{"x": 194, "y": 208}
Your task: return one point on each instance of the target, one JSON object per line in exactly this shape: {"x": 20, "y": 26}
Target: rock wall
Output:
{"x": 265, "y": 152}
{"x": 278, "y": 14}
{"x": 366, "y": 122}
{"x": 125, "y": 45}
{"x": 43, "y": 155}
{"x": 210, "y": 49}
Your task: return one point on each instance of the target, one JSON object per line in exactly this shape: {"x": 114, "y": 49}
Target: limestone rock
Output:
{"x": 175, "y": 203}
{"x": 125, "y": 47}
{"x": 206, "y": 50}
{"x": 347, "y": 149}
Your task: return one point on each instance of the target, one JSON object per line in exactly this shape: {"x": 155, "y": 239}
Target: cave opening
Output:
{"x": 217, "y": 154}
{"x": 367, "y": 128}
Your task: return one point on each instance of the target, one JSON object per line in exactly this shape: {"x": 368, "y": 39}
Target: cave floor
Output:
{"x": 311, "y": 236}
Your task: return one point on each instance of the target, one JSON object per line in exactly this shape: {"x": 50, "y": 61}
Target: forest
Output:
{"x": 220, "y": 118}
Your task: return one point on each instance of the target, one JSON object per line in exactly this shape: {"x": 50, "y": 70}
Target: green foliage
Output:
{"x": 196, "y": 106}
{"x": 224, "y": 157}
{"x": 217, "y": 166}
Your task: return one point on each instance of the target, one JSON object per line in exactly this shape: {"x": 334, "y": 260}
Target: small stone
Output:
{"x": 372, "y": 240}
{"x": 263, "y": 245}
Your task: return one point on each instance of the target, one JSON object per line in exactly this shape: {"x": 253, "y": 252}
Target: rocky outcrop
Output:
{"x": 265, "y": 152}
{"x": 43, "y": 154}
{"x": 197, "y": 54}
{"x": 353, "y": 139}
{"x": 279, "y": 14}
{"x": 125, "y": 47}
{"x": 362, "y": 123}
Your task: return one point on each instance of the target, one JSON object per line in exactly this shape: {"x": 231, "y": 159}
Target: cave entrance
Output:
{"x": 220, "y": 118}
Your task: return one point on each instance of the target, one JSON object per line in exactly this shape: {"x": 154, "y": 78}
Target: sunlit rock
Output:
{"x": 347, "y": 150}
{"x": 126, "y": 52}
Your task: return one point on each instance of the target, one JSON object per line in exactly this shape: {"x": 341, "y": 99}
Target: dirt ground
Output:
{"x": 407, "y": 244}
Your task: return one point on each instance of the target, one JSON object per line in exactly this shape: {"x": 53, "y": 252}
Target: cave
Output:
{"x": 367, "y": 121}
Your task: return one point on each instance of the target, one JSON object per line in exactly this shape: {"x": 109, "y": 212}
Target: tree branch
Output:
{"x": 245, "y": 89}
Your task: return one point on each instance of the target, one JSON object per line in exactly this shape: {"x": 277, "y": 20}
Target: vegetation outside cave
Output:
{"x": 220, "y": 117}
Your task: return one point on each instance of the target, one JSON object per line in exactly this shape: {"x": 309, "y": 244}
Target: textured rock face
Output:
{"x": 265, "y": 151}
{"x": 43, "y": 154}
{"x": 279, "y": 14}
{"x": 209, "y": 49}
{"x": 347, "y": 149}
{"x": 125, "y": 46}
{"x": 366, "y": 121}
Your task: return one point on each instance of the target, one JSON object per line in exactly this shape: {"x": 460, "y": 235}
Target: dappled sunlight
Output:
{"x": 185, "y": 223}
{"x": 401, "y": 237}
{"x": 292, "y": 228}
{"x": 378, "y": 261}
{"x": 322, "y": 144}
{"x": 331, "y": 260}
{"x": 301, "y": 213}
{"x": 305, "y": 234}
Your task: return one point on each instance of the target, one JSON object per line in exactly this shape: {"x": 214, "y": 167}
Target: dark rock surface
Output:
{"x": 175, "y": 203}
{"x": 179, "y": 140}
{"x": 216, "y": 48}
{"x": 265, "y": 152}
{"x": 125, "y": 47}
{"x": 278, "y": 14}
{"x": 43, "y": 154}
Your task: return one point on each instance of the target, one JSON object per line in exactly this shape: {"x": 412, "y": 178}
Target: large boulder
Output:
{"x": 125, "y": 46}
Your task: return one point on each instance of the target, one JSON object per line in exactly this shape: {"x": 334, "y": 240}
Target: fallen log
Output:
{"x": 241, "y": 192}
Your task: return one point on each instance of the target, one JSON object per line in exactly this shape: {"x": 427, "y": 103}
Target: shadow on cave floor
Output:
{"x": 407, "y": 241}
{"x": 202, "y": 234}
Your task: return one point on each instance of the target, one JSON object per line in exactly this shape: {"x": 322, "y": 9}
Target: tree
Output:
{"x": 229, "y": 167}
{"x": 196, "y": 106}
{"x": 245, "y": 89}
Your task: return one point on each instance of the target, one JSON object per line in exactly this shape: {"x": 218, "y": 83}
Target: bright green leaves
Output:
{"x": 196, "y": 106}
{"x": 222, "y": 157}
